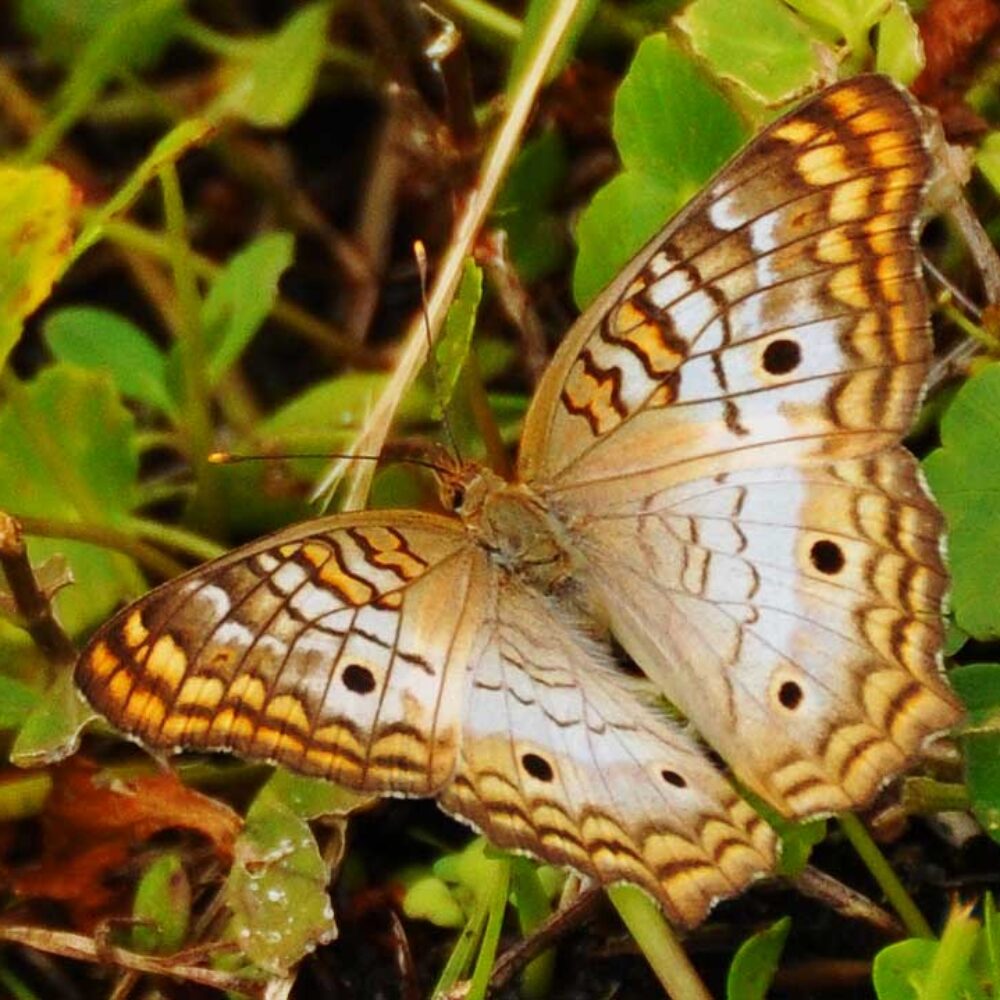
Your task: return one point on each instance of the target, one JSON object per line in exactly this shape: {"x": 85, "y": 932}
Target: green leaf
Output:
{"x": 797, "y": 842}
{"x": 270, "y": 87}
{"x": 129, "y": 39}
{"x": 537, "y": 239}
{"x": 326, "y": 416}
{"x": 276, "y": 888}
{"x": 63, "y": 29}
{"x": 756, "y": 962}
{"x": 429, "y": 898}
{"x": 241, "y": 297}
{"x": 69, "y": 453}
{"x": 851, "y": 20}
{"x": 162, "y": 906}
{"x": 673, "y": 130}
{"x": 38, "y": 209}
{"x": 964, "y": 475}
{"x": 900, "y": 52}
{"x": 991, "y": 940}
{"x": 17, "y": 701}
{"x": 988, "y": 159}
{"x": 468, "y": 868}
{"x": 773, "y": 56}
{"x": 978, "y": 685}
{"x": 105, "y": 342}
{"x": 52, "y": 730}
{"x": 900, "y": 968}
{"x": 311, "y": 798}
{"x": 920, "y": 969}
{"x": 452, "y": 347}
{"x": 24, "y": 796}
{"x": 954, "y": 638}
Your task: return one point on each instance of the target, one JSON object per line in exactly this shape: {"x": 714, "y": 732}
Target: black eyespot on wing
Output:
{"x": 782, "y": 356}
{"x": 790, "y": 695}
{"x": 537, "y": 767}
{"x": 827, "y": 557}
{"x": 673, "y": 778}
{"x": 358, "y": 679}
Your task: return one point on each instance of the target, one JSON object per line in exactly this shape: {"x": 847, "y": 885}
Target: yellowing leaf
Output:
{"x": 38, "y": 211}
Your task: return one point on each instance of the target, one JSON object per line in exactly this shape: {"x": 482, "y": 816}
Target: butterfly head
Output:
{"x": 509, "y": 520}
{"x": 465, "y": 488}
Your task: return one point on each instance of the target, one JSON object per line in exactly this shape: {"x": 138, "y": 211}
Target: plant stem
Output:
{"x": 658, "y": 943}
{"x": 970, "y": 329}
{"x": 172, "y": 537}
{"x": 874, "y": 860}
{"x": 533, "y": 909}
{"x": 104, "y": 536}
{"x": 194, "y": 359}
{"x": 489, "y": 23}
{"x": 925, "y": 796}
{"x": 497, "y": 905}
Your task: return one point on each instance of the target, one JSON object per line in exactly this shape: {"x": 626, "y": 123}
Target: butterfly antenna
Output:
{"x": 420, "y": 254}
{"x": 394, "y": 452}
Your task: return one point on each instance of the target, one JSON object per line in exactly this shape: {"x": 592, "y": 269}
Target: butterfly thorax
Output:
{"x": 512, "y": 523}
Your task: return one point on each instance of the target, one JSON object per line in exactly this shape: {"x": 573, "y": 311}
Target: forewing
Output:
{"x": 337, "y": 648}
{"x": 562, "y": 759}
{"x": 793, "y": 614}
{"x": 780, "y": 317}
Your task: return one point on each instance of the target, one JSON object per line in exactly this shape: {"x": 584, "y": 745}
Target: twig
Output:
{"x": 86, "y": 949}
{"x": 376, "y": 216}
{"x": 467, "y": 225}
{"x": 987, "y": 261}
{"x": 408, "y": 987}
{"x": 847, "y": 975}
{"x": 515, "y": 302}
{"x": 31, "y": 601}
{"x": 544, "y": 936}
{"x": 979, "y": 245}
{"x": 846, "y": 901}
{"x": 956, "y": 293}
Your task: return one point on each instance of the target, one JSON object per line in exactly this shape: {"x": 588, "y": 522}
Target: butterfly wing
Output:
{"x": 780, "y": 317}
{"x": 721, "y": 435}
{"x": 561, "y": 759}
{"x": 794, "y": 614}
{"x": 388, "y": 654}
{"x": 337, "y": 648}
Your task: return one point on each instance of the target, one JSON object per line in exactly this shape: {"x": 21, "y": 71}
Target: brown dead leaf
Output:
{"x": 952, "y": 32}
{"x": 91, "y": 827}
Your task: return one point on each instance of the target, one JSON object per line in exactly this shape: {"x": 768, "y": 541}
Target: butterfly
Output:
{"x": 710, "y": 472}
